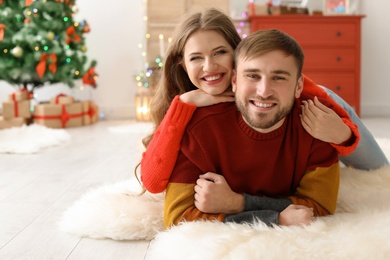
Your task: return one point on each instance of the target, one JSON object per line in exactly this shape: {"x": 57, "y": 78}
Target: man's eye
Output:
{"x": 252, "y": 76}
{"x": 279, "y": 78}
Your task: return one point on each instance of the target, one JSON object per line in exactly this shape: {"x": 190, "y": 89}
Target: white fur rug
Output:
{"x": 360, "y": 229}
{"x": 30, "y": 139}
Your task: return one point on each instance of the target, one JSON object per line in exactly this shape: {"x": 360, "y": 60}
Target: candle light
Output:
{"x": 161, "y": 37}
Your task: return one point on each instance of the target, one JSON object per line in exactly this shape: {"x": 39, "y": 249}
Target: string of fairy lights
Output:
{"x": 143, "y": 77}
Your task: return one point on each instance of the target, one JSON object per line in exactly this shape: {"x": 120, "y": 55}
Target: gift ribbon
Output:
{"x": 13, "y": 95}
{"x": 71, "y": 35}
{"x": 57, "y": 100}
{"x": 2, "y": 28}
{"x": 89, "y": 77}
{"x": 64, "y": 117}
{"x": 16, "y": 109}
{"x": 41, "y": 67}
{"x": 91, "y": 112}
{"x": 16, "y": 104}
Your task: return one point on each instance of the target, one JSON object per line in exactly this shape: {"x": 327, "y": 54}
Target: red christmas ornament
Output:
{"x": 41, "y": 67}
{"x": 86, "y": 28}
{"x": 71, "y": 35}
{"x": 28, "y": 2}
{"x": 89, "y": 77}
{"x": 2, "y": 28}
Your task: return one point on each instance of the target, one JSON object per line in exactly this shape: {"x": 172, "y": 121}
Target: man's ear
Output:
{"x": 299, "y": 87}
{"x": 234, "y": 80}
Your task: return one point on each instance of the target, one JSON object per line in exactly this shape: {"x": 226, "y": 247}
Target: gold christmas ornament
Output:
{"x": 50, "y": 36}
{"x": 75, "y": 9}
{"x": 17, "y": 52}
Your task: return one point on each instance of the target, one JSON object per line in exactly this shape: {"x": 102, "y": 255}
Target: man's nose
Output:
{"x": 264, "y": 89}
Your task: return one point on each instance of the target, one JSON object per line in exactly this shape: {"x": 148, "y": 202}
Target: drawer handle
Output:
{"x": 338, "y": 88}
{"x": 338, "y": 34}
{"x": 338, "y": 58}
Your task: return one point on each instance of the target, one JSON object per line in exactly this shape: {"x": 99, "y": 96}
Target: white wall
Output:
{"x": 375, "y": 94}
{"x": 117, "y": 27}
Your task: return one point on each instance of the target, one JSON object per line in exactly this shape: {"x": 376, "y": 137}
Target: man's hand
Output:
{"x": 296, "y": 215}
{"x": 323, "y": 123}
{"x": 213, "y": 195}
{"x": 200, "y": 98}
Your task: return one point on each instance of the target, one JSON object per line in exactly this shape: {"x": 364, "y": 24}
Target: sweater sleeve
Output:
{"x": 318, "y": 189}
{"x": 311, "y": 90}
{"x": 252, "y": 202}
{"x": 179, "y": 205}
{"x": 160, "y": 156}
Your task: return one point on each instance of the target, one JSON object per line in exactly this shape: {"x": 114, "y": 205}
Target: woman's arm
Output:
{"x": 160, "y": 156}
{"x": 325, "y": 125}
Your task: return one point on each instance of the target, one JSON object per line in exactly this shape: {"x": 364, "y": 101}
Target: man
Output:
{"x": 280, "y": 173}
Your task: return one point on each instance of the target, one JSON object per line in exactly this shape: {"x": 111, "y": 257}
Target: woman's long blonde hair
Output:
{"x": 175, "y": 80}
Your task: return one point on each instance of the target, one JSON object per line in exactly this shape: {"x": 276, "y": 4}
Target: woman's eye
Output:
{"x": 195, "y": 58}
{"x": 220, "y": 52}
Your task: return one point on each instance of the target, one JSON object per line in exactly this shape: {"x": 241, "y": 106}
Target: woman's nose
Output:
{"x": 209, "y": 64}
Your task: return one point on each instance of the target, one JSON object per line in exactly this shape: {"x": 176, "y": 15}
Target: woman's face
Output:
{"x": 208, "y": 61}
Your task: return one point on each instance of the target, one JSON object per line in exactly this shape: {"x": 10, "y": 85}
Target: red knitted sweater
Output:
{"x": 284, "y": 163}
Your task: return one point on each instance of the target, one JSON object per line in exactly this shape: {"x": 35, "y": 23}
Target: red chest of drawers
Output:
{"x": 331, "y": 45}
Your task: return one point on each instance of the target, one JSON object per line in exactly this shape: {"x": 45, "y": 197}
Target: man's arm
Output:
{"x": 318, "y": 189}
{"x": 179, "y": 205}
{"x": 292, "y": 215}
{"x": 213, "y": 194}
{"x": 179, "y": 197}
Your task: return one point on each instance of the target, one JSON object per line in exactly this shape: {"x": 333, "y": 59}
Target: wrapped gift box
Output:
{"x": 20, "y": 95}
{"x": 91, "y": 112}
{"x": 62, "y": 99}
{"x": 13, "y": 109}
{"x": 59, "y": 115}
{"x": 13, "y": 122}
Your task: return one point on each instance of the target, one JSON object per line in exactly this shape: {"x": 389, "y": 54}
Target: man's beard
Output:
{"x": 263, "y": 120}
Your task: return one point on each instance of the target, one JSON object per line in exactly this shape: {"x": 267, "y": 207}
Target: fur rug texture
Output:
{"x": 360, "y": 228}
{"x": 30, "y": 139}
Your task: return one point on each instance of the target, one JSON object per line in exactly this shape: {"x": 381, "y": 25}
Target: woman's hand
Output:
{"x": 200, "y": 98}
{"x": 323, "y": 123}
{"x": 213, "y": 195}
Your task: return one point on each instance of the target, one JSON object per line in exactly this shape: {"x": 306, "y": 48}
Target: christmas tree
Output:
{"x": 40, "y": 43}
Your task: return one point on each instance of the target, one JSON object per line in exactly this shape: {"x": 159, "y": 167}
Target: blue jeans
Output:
{"x": 367, "y": 155}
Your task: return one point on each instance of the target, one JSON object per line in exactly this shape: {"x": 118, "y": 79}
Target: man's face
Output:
{"x": 266, "y": 88}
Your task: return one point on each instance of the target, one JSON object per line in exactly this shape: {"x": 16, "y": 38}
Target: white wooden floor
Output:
{"x": 36, "y": 189}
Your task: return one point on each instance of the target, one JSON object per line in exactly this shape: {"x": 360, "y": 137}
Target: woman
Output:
{"x": 196, "y": 76}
